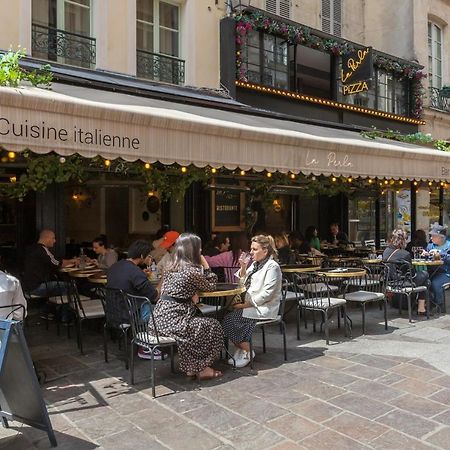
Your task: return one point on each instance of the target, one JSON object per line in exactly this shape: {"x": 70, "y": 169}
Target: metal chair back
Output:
{"x": 116, "y": 307}
{"x": 315, "y": 290}
{"x": 398, "y": 276}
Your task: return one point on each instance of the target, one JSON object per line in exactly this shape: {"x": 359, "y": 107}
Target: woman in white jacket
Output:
{"x": 262, "y": 298}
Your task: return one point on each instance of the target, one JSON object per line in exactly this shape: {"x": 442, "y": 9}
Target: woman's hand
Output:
{"x": 241, "y": 305}
{"x": 204, "y": 263}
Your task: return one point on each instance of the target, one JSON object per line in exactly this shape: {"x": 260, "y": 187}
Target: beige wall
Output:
{"x": 15, "y": 27}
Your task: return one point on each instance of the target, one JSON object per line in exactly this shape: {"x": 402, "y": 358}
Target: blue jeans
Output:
{"x": 50, "y": 289}
{"x": 436, "y": 287}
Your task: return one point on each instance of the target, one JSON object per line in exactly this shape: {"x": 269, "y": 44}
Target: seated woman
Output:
{"x": 439, "y": 274}
{"x": 229, "y": 260}
{"x": 395, "y": 252}
{"x": 199, "y": 339}
{"x": 285, "y": 254}
{"x": 312, "y": 237}
{"x": 418, "y": 239}
{"x": 106, "y": 256}
{"x": 262, "y": 299}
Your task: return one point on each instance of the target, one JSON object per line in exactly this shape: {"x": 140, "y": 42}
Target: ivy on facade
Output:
{"x": 302, "y": 35}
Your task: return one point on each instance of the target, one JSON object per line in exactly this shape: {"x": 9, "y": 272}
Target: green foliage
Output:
{"x": 11, "y": 74}
{"x": 414, "y": 138}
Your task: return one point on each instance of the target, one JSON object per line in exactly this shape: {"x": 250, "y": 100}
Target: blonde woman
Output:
{"x": 262, "y": 298}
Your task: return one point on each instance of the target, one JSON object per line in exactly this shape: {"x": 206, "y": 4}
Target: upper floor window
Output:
{"x": 267, "y": 60}
{"x": 158, "y": 41}
{"x": 158, "y": 27}
{"x": 434, "y": 55}
{"x": 62, "y": 31}
{"x": 279, "y": 7}
{"x": 332, "y": 16}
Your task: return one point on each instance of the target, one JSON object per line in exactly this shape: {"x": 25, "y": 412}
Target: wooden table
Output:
{"x": 344, "y": 272}
{"x": 300, "y": 268}
{"x": 223, "y": 290}
{"x": 86, "y": 273}
{"x": 424, "y": 262}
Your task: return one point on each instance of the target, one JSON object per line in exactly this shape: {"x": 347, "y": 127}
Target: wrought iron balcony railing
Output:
{"x": 59, "y": 45}
{"x": 155, "y": 66}
{"x": 440, "y": 98}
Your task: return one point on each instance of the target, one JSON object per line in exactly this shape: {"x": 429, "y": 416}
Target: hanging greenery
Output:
{"x": 11, "y": 74}
{"x": 249, "y": 21}
{"x": 414, "y": 138}
{"x": 44, "y": 170}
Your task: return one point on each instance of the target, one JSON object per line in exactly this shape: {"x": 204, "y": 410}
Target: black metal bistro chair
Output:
{"x": 139, "y": 307}
{"x": 117, "y": 319}
{"x": 84, "y": 310}
{"x": 318, "y": 297}
{"x": 276, "y": 321}
{"x": 368, "y": 289}
{"x": 399, "y": 280}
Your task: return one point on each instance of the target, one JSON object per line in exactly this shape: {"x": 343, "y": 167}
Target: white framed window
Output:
{"x": 332, "y": 17}
{"x": 279, "y": 7}
{"x": 434, "y": 55}
{"x": 75, "y": 16}
{"x": 158, "y": 27}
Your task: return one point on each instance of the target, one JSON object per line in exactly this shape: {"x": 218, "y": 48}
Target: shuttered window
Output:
{"x": 332, "y": 16}
{"x": 279, "y": 7}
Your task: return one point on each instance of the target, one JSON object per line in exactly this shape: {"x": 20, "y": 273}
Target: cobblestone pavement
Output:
{"x": 385, "y": 390}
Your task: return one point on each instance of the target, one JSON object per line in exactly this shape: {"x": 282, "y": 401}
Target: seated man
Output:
{"x": 335, "y": 236}
{"x": 11, "y": 297}
{"x": 106, "y": 256}
{"x": 41, "y": 268}
{"x": 440, "y": 275}
{"x": 128, "y": 277}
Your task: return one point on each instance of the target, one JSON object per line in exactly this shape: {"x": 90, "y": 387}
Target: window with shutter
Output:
{"x": 332, "y": 16}
{"x": 279, "y": 7}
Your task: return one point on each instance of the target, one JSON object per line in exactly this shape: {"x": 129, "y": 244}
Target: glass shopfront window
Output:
{"x": 266, "y": 57}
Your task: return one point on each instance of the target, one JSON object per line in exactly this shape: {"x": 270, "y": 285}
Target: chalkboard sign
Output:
{"x": 227, "y": 206}
{"x": 20, "y": 394}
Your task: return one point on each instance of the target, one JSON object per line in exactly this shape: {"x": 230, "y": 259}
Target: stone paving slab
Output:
{"x": 386, "y": 390}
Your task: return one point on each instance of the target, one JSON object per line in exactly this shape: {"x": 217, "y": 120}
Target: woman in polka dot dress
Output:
{"x": 199, "y": 339}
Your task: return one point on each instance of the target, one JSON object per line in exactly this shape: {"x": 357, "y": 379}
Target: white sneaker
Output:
{"x": 237, "y": 354}
{"x": 244, "y": 359}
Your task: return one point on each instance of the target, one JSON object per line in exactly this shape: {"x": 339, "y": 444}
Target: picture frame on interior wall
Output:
{"x": 137, "y": 206}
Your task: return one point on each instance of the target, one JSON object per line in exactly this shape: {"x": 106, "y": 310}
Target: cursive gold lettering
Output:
{"x": 353, "y": 64}
{"x": 333, "y": 161}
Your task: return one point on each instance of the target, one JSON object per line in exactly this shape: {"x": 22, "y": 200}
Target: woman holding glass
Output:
{"x": 262, "y": 298}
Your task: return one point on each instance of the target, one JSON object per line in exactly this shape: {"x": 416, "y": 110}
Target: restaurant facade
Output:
{"x": 280, "y": 148}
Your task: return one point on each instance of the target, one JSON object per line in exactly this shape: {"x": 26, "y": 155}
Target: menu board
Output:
{"x": 20, "y": 396}
{"x": 227, "y": 206}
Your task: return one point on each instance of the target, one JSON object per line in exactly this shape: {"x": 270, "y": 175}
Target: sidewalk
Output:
{"x": 385, "y": 390}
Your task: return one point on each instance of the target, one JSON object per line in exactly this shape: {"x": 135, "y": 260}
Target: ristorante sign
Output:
{"x": 357, "y": 71}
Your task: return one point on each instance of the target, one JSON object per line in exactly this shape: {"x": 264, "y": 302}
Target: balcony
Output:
{"x": 440, "y": 98}
{"x": 61, "y": 46}
{"x": 155, "y": 66}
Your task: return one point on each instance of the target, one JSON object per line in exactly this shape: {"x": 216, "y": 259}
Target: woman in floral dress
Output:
{"x": 199, "y": 339}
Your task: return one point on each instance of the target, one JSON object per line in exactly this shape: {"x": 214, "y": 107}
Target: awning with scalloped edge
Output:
{"x": 71, "y": 119}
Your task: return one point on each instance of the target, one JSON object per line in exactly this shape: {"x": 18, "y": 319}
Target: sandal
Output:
{"x": 214, "y": 374}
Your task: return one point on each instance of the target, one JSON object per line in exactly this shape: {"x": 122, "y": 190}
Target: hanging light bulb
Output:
{"x": 415, "y": 183}
{"x": 147, "y": 166}
{"x": 386, "y": 182}
{"x": 11, "y": 155}
{"x": 334, "y": 179}
{"x": 213, "y": 170}
{"x": 184, "y": 169}
{"x": 107, "y": 162}
{"x": 269, "y": 174}
{"x": 350, "y": 179}
{"x": 242, "y": 172}
{"x": 400, "y": 182}
{"x": 370, "y": 181}
{"x": 292, "y": 176}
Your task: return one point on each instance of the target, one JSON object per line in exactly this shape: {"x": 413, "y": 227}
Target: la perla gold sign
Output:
{"x": 353, "y": 64}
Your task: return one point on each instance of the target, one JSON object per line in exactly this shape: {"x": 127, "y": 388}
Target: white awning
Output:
{"x": 70, "y": 119}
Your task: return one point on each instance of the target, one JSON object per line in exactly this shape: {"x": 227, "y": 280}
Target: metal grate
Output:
{"x": 155, "y": 66}
{"x": 59, "y": 45}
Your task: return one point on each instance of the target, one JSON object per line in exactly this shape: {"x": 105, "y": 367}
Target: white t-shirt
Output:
{"x": 11, "y": 294}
